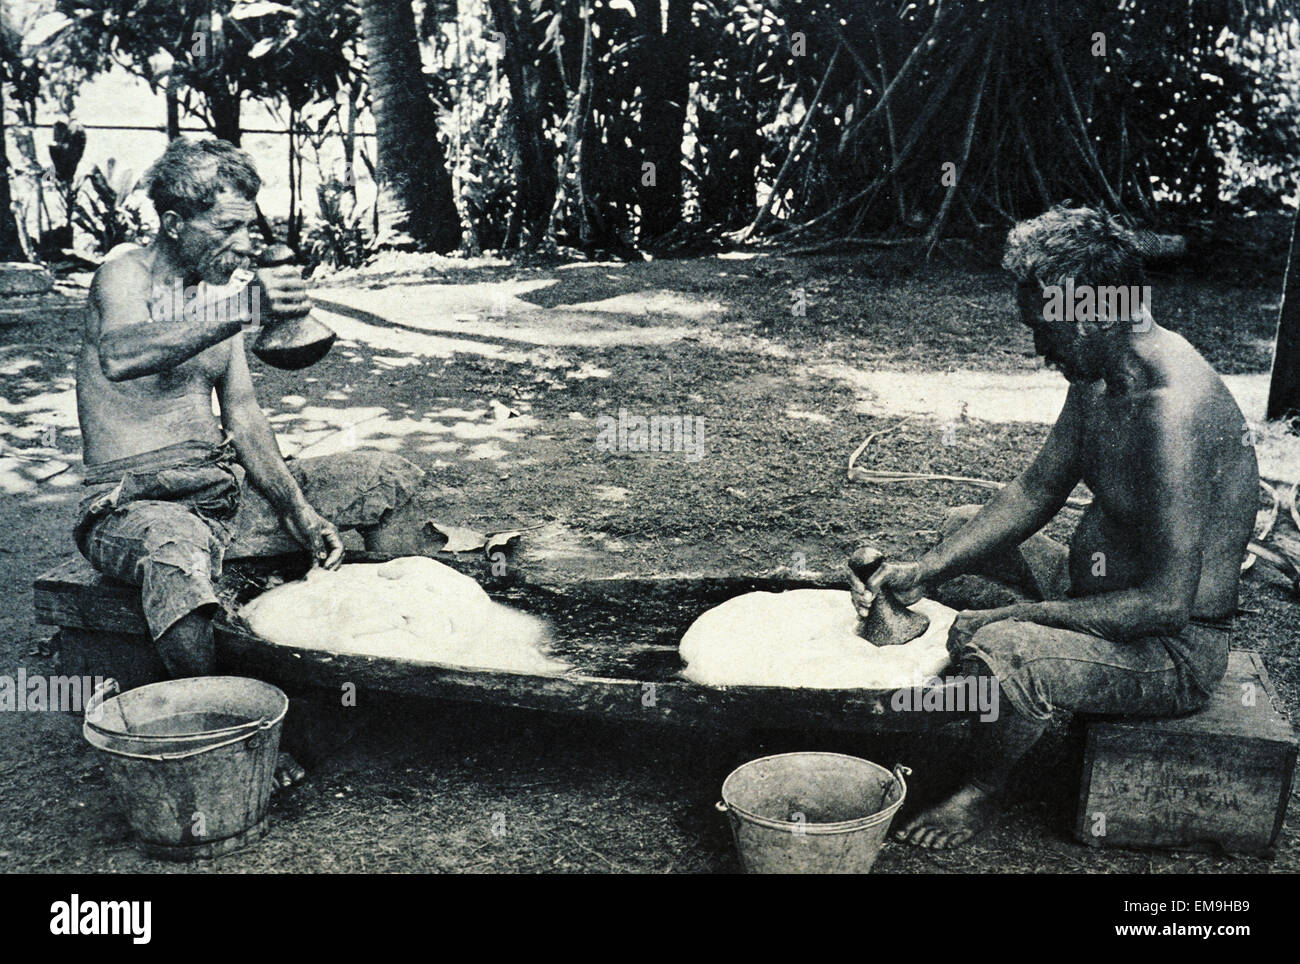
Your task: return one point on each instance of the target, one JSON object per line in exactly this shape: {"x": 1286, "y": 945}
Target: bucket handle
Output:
{"x": 96, "y": 702}
{"x": 241, "y": 729}
{"x": 251, "y": 730}
{"x": 253, "y": 736}
{"x": 900, "y": 772}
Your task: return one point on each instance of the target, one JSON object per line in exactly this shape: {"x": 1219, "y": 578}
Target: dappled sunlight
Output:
{"x": 405, "y": 342}
{"x": 484, "y": 314}
{"x": 800, "y": 415}
{"x": 653, "y": 302}
{"x": 28, "y": 475}
{"x": 580, "y": 265}
{"x": 486, "y": 451}
{"x": 39, "y": 433}
{"x": 390, "y": 361}
{"x": 18, "y": 365}
{"x": 988, "y": 396}
{"x": 1251, "y": 393}
{"x": 1277, "y": 447}
{"x": 468, "y": 434}
{"x": 57, "y": 408}
{"x": 38, "y": 418}
{"x": 1035, "y": 397}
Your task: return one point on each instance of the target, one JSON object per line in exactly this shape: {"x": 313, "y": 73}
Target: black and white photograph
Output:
{"x": 650, "y": 437}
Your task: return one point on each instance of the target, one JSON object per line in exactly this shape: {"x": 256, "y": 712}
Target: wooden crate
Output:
{"x": 1218, "y": 778}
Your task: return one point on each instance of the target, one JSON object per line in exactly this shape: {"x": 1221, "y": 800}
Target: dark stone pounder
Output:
{"x": 888, "y": 622}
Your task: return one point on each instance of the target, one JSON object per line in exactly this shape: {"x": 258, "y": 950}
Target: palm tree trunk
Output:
{"x": 416, "y": 206}
{"x": 665, "y": 78}
{"x": 224, "y": 108}
{"x": 535, "y": 165}
{"x": 11, "y": 248}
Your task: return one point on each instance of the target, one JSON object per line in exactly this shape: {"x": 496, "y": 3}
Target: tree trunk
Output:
{"x": 11, "y": 247}
{"x": 665, "y": 79}
{"x": 535, "y": 167}
{"x": 1284, "y": 384}
{"x": 416, "y": 206}
{"x": 294, "y": 161}
{"x": 571, "y": 160}
{"x": 224, "y": 108}
{"x": 350, "y": 143}
{"x": 173, "y": 108}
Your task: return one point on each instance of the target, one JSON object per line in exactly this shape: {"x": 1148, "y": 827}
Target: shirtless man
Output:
{"x": 1134, "y": 617}
{"x": 173, "y": 488}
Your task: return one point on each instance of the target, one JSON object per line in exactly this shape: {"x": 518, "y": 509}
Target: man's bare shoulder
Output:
{"x": 1197, "y": 383}
{"x": 1195, "y": 413}
{"x": 126, "y": 268}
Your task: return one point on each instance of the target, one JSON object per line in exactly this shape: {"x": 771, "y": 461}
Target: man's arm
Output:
{"x": 259, "y": 454}
{"x": 1021, "y": 508}
{"x": 131, "y": 342}
{"x": 1170, "y": 539}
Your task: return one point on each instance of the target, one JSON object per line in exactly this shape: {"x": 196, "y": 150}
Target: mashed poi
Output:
{"x": 412, "y": 608}
{"x": 807, "y": 638}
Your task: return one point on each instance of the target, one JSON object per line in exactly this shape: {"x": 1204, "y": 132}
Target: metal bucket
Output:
{"x": 192, "y": 760}
{"x": 811, "y": 813}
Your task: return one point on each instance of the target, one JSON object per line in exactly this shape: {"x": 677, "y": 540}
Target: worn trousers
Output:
{"x": 1040, "y": 669}
{"x": 167, "y": 520}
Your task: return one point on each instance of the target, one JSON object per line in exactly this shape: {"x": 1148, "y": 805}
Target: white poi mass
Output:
{"x": 807, "y": 638}
{"x": 412, "y": 608}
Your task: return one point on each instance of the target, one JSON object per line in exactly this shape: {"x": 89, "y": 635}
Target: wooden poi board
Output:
{"x": 620, "y": 635}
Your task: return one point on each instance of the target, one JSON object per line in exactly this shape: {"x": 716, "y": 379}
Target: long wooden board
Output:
{"x": 620, "y": 635}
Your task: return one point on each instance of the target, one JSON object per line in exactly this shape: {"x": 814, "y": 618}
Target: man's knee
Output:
{"x": 1003, "y": 648}
{"x": 180, "y": 562}
{"x": 358, "y": 489}
{"x": 183, "y": 543}
{"x": 1012, "y": 651}
{"x": 956, "y": 517}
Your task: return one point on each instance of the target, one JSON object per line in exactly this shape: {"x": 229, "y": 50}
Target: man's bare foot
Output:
{"x": 953, "y": 822}
{"x": 287, "y": 772}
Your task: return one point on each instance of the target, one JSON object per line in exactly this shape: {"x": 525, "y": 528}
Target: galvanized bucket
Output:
{"x": 192, "y": 760}
{"x": 811, "y": 813}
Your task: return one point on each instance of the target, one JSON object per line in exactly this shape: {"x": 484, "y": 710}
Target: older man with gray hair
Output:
{"x": 1133, "y": 616}
{"x": 174, "y": 489}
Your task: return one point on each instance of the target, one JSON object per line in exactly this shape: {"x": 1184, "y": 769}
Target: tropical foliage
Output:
{"x": 626, "y": 124}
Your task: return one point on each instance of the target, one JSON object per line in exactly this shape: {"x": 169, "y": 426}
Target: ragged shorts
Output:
{"x": 1041, "y": 669}
{"x": 166, "y": 520}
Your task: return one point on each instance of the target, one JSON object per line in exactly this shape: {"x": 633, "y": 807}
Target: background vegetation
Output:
{"x": 667, "y": 125}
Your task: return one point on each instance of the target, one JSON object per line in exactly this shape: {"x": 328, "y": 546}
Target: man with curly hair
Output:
{"x": 1133, "y": 617}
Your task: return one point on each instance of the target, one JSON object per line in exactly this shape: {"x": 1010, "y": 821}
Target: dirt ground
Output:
{"x": 792, "y": 362}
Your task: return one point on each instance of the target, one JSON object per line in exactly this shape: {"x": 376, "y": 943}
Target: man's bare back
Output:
{"x": 1188, "y": 402}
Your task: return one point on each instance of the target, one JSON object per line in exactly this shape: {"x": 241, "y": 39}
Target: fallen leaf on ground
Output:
{"x": 502, "y": 540}
{"x": 459, "y": 539}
